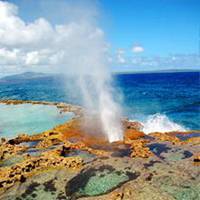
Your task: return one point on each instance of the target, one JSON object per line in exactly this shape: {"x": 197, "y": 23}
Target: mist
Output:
{"x": 67, "y": 39}
{"x": 86, "y": 61}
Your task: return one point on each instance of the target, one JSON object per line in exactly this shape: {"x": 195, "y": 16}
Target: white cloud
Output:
{"x": 9, "y": 57}
{"x": 120, "y": 56}
{"x": 182, "y": 61}
{"x": 137, "y": 49}
{"x": 41, "y": 45}
{"x": 32, "y": 58}
{"x": 121, "y": 59}
{"x": 15, "y": 32}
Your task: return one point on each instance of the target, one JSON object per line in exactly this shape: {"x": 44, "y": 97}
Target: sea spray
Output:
{"x": 103, "y": 113}
{"x": 160, "y": 123}
{"x": 86, "y": 61}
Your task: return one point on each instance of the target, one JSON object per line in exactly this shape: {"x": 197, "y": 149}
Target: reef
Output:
{"x": 75, "y": 161}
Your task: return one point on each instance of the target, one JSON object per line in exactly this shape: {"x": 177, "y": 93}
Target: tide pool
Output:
{"x": 30, "y": 119}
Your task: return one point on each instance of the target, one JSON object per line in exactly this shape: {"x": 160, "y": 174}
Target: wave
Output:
{"x": 160, "y": 123}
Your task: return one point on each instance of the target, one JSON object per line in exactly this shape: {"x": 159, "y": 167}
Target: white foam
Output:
{"x": 160, "y": 123}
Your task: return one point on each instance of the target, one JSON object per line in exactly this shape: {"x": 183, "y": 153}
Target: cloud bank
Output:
{"x": 137, "y": 49}
{"x": 39, "y": 45}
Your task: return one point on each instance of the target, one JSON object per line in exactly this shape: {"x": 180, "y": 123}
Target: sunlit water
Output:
{"x": 168, "y": 100}
{"x": 30, "y": 119}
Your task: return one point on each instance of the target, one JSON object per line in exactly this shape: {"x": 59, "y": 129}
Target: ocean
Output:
{"x": 161, "y": 100}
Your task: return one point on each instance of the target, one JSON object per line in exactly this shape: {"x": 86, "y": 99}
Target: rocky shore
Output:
{"x": 69, "y": 162}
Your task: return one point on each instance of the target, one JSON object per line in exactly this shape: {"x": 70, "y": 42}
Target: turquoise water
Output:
{"x": 30, "y": 119}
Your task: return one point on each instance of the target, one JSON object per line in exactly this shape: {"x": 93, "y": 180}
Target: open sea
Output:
{"x": 155, "y": 99}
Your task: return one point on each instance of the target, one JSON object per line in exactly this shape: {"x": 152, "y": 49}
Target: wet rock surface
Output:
{"x": 68, "y": 162}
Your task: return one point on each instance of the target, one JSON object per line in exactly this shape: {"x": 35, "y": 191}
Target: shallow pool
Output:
{"x": 30, "y": 119}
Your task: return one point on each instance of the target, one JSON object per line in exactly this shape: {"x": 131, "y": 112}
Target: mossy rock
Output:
{"x": 97, "y": 181}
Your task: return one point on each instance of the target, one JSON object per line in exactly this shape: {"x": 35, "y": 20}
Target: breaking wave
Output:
{"x": 160, "y": 123}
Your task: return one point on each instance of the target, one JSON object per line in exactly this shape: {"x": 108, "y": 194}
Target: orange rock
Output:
{"x": 196, "y": 158}
{"x": 131, "y": 134}
{"x": 74, "y": 129}
{"x": 139, "y": 149}
{"x": 166, "y": 137}
{"x": 8, "y": 150}
{"x": 193, "y": 140}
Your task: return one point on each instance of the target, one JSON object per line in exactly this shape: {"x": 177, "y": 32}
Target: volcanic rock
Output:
{"x": 139, "y": 149}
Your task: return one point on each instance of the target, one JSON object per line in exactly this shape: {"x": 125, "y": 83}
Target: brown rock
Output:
{"x": 131, "y": 134}
{"x": 196, "y": 158}
{"x": 139, "y": 149}
{"x": 7, "y": 150}
{"x": 19, "y": 172}
{"x": 132, "y": 125}
{"x": 166, "y": 137}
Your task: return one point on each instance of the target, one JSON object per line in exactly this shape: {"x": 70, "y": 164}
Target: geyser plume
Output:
{"x": 86, "y": 61}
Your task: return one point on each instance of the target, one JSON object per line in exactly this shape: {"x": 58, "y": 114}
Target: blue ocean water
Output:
{"x": 175, "y": 95}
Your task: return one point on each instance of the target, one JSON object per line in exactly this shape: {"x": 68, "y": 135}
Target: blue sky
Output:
{"x": 161, "y": 26}
{"x": 143, "y": 35}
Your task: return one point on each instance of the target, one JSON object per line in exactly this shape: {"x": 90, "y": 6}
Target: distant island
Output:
{"x": 35, "y": 75}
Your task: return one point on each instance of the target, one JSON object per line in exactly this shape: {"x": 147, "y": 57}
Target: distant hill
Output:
{"x": 25, "y": 76}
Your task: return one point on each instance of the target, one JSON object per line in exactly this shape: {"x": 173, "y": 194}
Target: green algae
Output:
{"x": 179, "y": 190}
{"x": 175, "y": 156}
{"x": 102, "y": 183}
{"x": 182, "y": 193}
{"x": 12, "y": 161}
{"x": 93, "y": 182}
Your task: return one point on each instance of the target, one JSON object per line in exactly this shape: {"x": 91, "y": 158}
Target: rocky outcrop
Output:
{"x": 52, "y": 150}
{"x": 10, "y": 175}
{"x": 166, "y": 137}
{"x": 196, "y": 158}
{"x": 131, "y": 134}
{"x": 134, "y": 137}
{"x": 193, "y": 140}
{"x": 50, "y": 135}
{"x": 132, "y": 125}
{"x": 7, "y": 150}
{"x": 139, "y": 149}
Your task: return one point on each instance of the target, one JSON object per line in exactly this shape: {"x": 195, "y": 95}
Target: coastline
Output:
{"x": 67, "y": 146}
